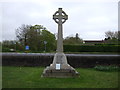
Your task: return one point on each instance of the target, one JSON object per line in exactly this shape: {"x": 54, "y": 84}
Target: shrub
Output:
{"x": 5, "y": 49}
{"x": 107, "y": 68}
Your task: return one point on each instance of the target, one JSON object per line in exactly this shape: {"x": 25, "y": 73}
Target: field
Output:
{"x": 30, "y": 77}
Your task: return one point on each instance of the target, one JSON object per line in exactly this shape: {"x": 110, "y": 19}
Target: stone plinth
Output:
{"x": 65, "y": 71}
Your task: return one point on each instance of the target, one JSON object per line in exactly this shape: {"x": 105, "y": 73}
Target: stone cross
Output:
{"x": 60, "y": 17}
{"x": 60, "y": 67}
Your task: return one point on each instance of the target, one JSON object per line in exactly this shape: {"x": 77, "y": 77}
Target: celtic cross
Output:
{"x": 60, "y": 68}
{"x": 60, "y": 17}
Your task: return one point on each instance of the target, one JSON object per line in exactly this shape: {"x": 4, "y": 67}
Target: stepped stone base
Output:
{"x": 64, "y": 72}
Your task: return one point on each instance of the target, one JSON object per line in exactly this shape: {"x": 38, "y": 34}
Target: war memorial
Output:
{"x": 60, "y": 67}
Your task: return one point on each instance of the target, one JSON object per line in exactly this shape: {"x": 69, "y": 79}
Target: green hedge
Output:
{"x": 107, "y": 68}
{"x": 91, "y": 48}
{"x": 5, "y": 49}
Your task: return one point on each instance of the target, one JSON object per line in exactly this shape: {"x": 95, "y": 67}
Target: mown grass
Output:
{"x": 30, "y": 77}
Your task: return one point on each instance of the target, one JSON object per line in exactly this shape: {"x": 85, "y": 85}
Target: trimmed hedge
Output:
{"x": 76, "y": 61}
{"x": 91, "y": 48}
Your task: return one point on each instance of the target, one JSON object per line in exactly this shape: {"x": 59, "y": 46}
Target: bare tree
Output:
{"x": 109, "y": 34}
{"x": 22, "y": 33}
{"x": 112, "y": 37}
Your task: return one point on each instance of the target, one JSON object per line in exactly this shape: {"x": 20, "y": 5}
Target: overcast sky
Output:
{"x": 90, "y": 18}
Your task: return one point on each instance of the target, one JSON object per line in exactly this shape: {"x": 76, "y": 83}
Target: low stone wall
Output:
{"x": 75, "y": 60}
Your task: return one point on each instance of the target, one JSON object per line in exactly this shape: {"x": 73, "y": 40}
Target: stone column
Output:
{"x": 60, "y": 39}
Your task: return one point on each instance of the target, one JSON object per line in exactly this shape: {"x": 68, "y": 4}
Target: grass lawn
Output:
{"x": 30, "y": 77}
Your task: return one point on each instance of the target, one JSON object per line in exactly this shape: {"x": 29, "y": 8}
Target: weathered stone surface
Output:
{"x": 60, "y": 58}
{"x": 62, "y": 73}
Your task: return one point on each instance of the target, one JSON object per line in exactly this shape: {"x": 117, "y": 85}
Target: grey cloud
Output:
{"x": 81, "y": 17}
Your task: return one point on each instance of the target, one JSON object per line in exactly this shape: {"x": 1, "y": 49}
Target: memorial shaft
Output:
{"x": 60, "y": 39}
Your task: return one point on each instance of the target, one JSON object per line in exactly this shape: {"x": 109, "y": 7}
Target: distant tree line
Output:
{"x": 73, "y": 40}
{"x": 36, "y": 37}
{"x": 39, "y": 39}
